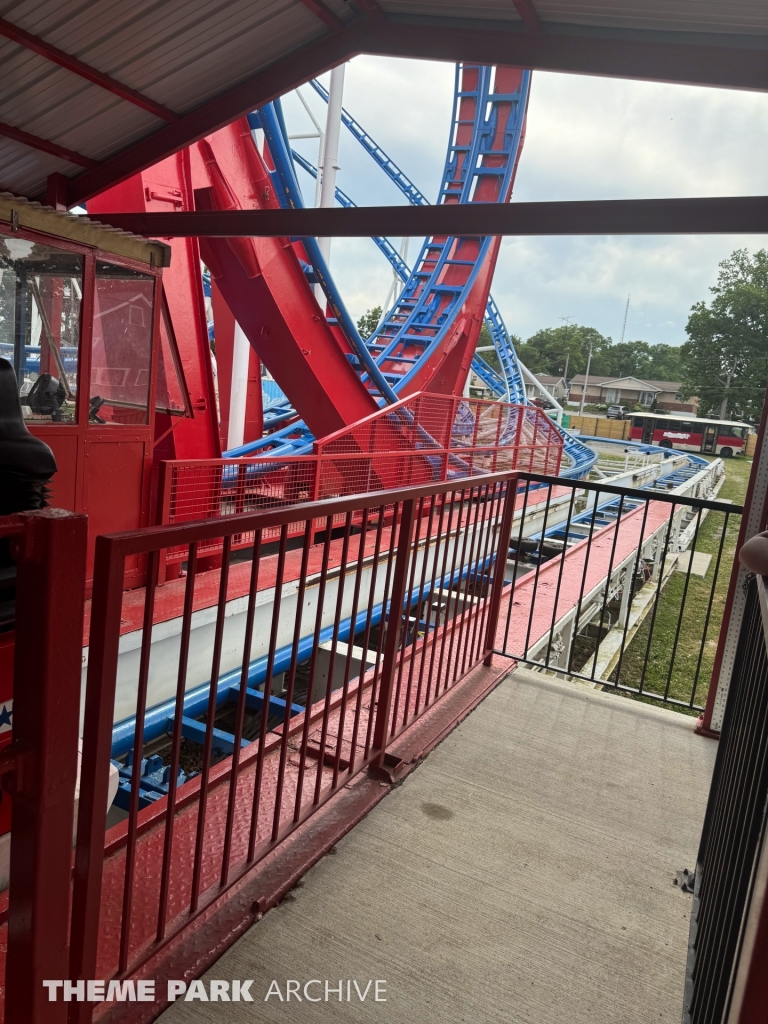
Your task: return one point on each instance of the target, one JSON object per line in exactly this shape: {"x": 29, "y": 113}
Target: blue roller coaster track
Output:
{"x": 426, "y": 307}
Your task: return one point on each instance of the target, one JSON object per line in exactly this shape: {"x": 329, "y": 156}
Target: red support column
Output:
{"x": 224, "y": 335}
{"x": 50, "y": 595}
{"x": 254, "y": 408}
{"x": 56, "y": 191}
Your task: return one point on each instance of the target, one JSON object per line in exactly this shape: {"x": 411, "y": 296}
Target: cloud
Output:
{"x": 587, "y": 138}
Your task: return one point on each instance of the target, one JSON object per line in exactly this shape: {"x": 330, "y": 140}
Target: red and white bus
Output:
{"x": 711, "y": 437}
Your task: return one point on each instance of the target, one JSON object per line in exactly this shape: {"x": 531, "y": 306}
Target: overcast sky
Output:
{"x": 587, "y": 138}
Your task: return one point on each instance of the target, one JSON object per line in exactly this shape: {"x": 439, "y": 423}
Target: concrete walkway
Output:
{"x": 523, "y": 873}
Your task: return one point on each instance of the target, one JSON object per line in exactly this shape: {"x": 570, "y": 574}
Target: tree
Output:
{"x": 665, "y": 362}
{"x": 639, "y": 359}
{"x": 546, "y": 351}
{"x": 368, "y": 322}
{"x": 628, "y": 359}
{"x": 725, "y": 360}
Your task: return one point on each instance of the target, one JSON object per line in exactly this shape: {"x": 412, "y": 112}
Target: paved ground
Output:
{"x": 522, "y": 873}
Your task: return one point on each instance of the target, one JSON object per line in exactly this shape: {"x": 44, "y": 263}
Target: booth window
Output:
{"x": 41, "y": 291}
{"x": 121, "y": 356}
{"x": 171, "y": 394}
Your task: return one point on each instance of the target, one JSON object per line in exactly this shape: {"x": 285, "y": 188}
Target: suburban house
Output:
{"x": 556, "y": 386}
{"x": 661, "y": 395}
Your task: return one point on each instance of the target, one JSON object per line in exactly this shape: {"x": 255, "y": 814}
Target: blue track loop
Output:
{"x": 427, "y": 308}
{"x": 510, "y": 385}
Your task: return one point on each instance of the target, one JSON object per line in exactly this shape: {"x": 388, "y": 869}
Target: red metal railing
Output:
{"x": 39, "y": 767}
{"x": 409, "y": 584}
{"x": 422, "y": 439}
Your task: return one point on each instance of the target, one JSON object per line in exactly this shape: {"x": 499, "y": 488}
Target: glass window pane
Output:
{"x": 171, "y": 396}
{"x": 122, "y": 345}
{"x": 41, "y": 291}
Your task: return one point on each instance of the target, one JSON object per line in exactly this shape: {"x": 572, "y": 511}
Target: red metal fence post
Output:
{"x": 103, "y": 650}
{"x": 497, "y": 587}
{"x": 394, "y": 628}
{"x": 50, "y": 595}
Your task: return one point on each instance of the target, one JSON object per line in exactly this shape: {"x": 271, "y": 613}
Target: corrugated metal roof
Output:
{"x": 179, "y": 53}
{"x": 186, "y": 53}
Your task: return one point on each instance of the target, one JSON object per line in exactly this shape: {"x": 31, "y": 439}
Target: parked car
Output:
{"x": 617, "y": 412}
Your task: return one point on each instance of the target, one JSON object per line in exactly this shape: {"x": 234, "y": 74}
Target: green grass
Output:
{"x": 677, "y": 641}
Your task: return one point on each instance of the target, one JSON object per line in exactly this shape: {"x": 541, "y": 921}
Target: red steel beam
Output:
{"x": 748, "y": 214}
{"x": 325, "y": 14}
{"x": 35, "y": 142}
{"x": 528, "y": 15}
{"x": 79, "y": 67}
{"x": 372, "y": 8}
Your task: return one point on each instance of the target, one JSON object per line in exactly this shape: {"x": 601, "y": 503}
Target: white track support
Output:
{"x": 330, "y": 163}
{"x": 319, "y": 134}
{"x": 238, "y": 392}
{"x": 550, "y": 398}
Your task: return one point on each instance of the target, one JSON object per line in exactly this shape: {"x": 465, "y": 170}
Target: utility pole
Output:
{"x": 586, "y": 381}
{"x": 567, "y": 320}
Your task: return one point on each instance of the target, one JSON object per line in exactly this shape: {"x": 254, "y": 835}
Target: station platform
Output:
{"x": 524, "y": 872}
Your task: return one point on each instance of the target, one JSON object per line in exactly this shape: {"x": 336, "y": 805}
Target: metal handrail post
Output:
{"x": 41, "y": 772}
{"x": 497, "y": 587}
{"x": 394, "y": 629}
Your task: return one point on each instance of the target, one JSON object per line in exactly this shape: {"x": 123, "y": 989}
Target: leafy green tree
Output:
{"x": 639, "y": 359}
{"x": 725, "y": 360}
{"x": 547, "y": 350}
{"x": 368, "y": 322}
{"x": 628, "y": 359}
{"x": 665, "y": 362}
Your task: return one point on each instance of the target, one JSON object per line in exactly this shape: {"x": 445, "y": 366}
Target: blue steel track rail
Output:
{"x": 509, "y": 384}
{"x": 295, "y": 437}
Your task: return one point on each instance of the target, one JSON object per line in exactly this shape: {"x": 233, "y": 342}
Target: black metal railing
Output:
{"x": 718, "y": 985}
{"x": 619, "y": 586}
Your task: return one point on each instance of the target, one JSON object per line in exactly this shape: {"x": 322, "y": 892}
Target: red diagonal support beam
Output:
{"x": 35, "y": 142}
{"x": 748, "y": 214}
{"x": 79, "y": 67}
{"x": 528, "y": 14}
{"x": 372, "y": 8}
{"x": 324, "y": 13}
